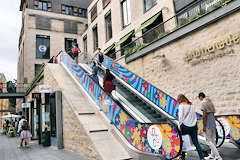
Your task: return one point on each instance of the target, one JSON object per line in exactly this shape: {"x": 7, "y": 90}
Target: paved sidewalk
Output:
{"x": 228, "y": 151}
{"x": 10, "y": 151}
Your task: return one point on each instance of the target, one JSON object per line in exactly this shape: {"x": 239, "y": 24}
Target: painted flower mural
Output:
{"x": 135, "y": 133}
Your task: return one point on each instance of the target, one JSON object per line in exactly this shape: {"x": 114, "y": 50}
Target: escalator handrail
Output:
{"x": 159, "y": 90}
{"x": 177, "y": 130}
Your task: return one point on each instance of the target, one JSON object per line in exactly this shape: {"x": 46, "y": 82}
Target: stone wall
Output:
{"x": 218, "y": 78}
{"x": 74, "y": 135}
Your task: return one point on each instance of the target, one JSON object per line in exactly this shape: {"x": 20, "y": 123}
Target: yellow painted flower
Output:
{"x": 120, "y": 75}
{"x": 166, "y": 134}
{"x": 123, "y": 118}
{"x": 136, "y": 136}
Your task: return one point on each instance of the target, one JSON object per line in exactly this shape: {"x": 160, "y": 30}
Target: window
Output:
{"x": 95, "y": 37}
{"x": 69, "y": 10}
{"x": 37, "y": 68}
{"x": 69, "y": 42}
{"x": 85, "y": 44}
{"x": 108, "y": 25}
{"x": 94, "y": 13}
{"x": 111, "y": 52}
{"x": 42, "y": 5}
{"x": 187, "y": 12}
{"x": 83, "y": 13}
{"x": 126, "y": 42}
{"x": 126, "y": 12}
{"x": 148, "y": 4}
{"x": 105, "y": 3}
{"x": 25, "y": 80}
{"x": 158, "y": 29}
{"x": 74, "y": 11}
{"x": 42, "y": 47}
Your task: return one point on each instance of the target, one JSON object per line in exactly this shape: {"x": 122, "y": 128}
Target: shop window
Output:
{"x": 126, "y": 12}
{"x": 42, "y": 47}
{"x": 94, "y": 12}
{"x": 108, "y": 25}
{"x": 148, "y": 4}
{"x": 95, "y": 37}
{"x": 85, "y": 44}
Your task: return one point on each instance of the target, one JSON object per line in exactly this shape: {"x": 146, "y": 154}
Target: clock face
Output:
{"x": 154, "y": 137}
{"x": 42, "y": 48}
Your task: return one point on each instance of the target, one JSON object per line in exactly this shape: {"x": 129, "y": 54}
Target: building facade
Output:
{"x": 47, "y": 28}
{"x": 179, "y": 46}
{"x": 112, "y": 23}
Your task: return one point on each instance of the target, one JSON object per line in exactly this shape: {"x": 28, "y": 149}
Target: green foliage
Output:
{"x": 202, "y": 12}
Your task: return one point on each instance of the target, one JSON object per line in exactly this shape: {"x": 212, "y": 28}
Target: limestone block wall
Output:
{"x": 218, "y": 78}
{"x": 74, "y": 135}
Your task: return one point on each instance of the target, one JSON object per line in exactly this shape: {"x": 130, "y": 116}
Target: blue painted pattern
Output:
{"x": 135, "y": 133}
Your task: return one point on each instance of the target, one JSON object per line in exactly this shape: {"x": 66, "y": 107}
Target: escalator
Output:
{"x": 151, "y": 111}
{"x": 143, "y": 127}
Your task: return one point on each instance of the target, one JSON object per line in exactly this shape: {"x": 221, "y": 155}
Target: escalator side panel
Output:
{"x": 155, "y": 95}
{"x": 231, "y": 125}
{"x": 160, "y": 139}
{"x": 161, "y": 99}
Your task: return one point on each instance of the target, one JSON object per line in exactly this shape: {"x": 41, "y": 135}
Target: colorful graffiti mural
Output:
{"x": 231, "y": 125}
{"x": 161, "y": 99}
{"x": 163, "y": 139}
{"x": 155, "y": 95}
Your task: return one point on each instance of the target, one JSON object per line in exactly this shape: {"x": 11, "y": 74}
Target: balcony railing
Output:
{"x": 160, "y": 31}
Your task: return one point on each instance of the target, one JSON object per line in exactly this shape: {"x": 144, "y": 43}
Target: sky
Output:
{"x": 10, "y": 26}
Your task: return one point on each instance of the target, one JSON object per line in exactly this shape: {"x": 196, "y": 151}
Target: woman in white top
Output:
{"x": 188, "y": 122}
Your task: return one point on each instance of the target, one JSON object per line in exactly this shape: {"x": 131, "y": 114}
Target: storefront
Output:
{"x": 43, "y": 116}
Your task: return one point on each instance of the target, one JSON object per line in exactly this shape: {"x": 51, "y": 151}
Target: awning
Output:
{"x": 123, "y": 39}
{"x": 148, "y": 22}
{"x": 109, "y": 48}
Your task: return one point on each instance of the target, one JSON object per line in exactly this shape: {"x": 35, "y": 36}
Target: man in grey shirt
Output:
{"x": 209, "y": 125}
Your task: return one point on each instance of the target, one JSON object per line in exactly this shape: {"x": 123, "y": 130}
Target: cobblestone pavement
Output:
{"x": 10, "y": 151}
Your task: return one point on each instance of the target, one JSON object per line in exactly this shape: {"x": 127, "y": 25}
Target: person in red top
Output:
{"x": 76, "y": 51}
{"x": 1, "y": 87}
{"x": 108, "y": 84}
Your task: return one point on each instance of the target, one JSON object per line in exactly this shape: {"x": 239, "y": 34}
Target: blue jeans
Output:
{"x": 192, "y": 132}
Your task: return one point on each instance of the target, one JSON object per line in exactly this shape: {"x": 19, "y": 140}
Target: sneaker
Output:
{"x": 219, "y": 158}
{"x": 209, "y": 157}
